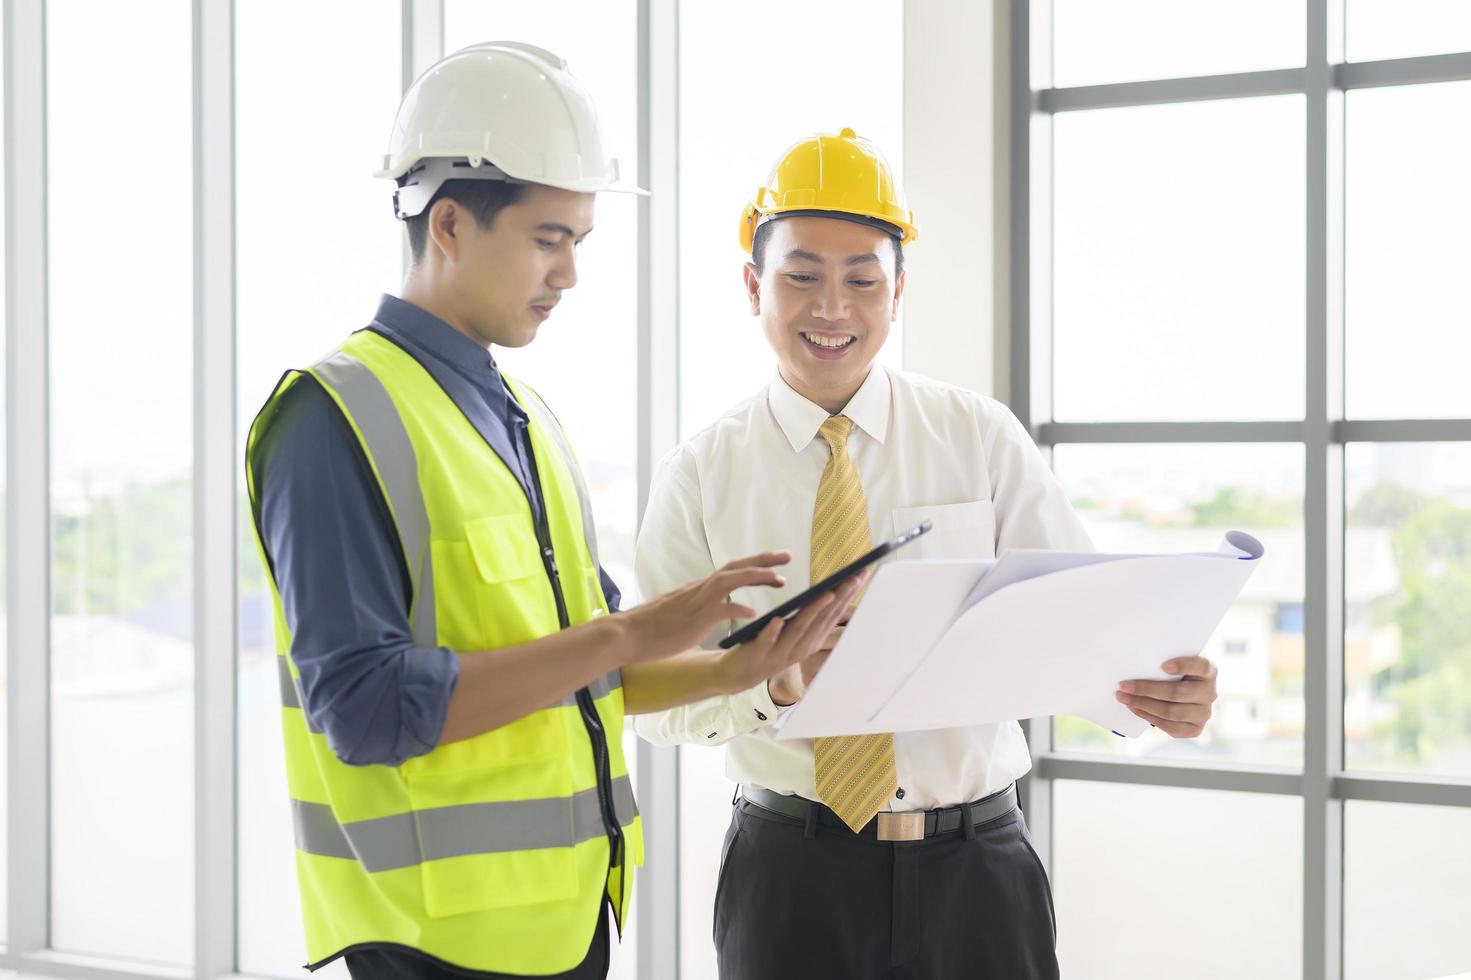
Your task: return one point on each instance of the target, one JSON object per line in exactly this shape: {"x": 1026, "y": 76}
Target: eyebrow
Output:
{"x": 561, "y": 229}
{"x": 801, "y": 255}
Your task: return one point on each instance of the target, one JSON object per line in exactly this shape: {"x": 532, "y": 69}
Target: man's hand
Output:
{"x": 790, "y": 648}
{"x": 790, "y": 685}
{"x": 1180, "y": 708}
{"x": 678, "y": 620}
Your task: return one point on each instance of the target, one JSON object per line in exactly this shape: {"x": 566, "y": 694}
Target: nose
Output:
{"x": 831, "y": 303}
{"x": 563, "y": 274}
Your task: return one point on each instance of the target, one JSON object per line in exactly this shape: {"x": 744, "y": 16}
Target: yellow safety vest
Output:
{"x": 492, "y": 853}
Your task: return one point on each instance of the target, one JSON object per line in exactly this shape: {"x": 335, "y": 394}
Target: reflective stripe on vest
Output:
{"x": 407, "y": 839}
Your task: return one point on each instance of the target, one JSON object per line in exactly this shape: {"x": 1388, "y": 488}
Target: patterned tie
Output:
{"x": 855, "y": 773}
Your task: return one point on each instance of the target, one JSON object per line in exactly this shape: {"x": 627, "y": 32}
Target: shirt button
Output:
{"x": 760, "y": 715}
{"x": 900, "y": 793}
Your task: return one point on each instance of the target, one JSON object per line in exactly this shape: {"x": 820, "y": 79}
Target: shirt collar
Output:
{"x": 434, "y": 335}
{"x": 800, "y": 419}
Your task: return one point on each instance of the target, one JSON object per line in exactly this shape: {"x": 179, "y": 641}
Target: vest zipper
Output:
{"x": 590, "y": 719}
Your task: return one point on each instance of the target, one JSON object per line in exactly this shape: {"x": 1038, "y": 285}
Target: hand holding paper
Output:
{"x": 940, "y": 644}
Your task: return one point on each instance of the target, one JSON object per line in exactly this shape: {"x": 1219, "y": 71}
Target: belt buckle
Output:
{"x": 901, "y": 826}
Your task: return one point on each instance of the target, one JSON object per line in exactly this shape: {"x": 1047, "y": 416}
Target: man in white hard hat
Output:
{"x": 453, "y": 687}
{"x": 877, "y": 856}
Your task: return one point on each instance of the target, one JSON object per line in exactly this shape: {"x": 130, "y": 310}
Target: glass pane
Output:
{"x": 704, "y": 814}
{"x": 1404, "y": 891}
{"x": 1178, "y": 261}
{"x": 1152, "y": 882}
{"x": 1407, "y": 637}
{"x": 848, "y": 74}
{"x": 293, "y": 308}
{"x": 1172, "y": 498}
{"x": 1406, "y": 252}
{"x": 584, "y": 360}
{"x": 1132, "y": 40}
{"x": 1375, "y": 29}
{"x": 121, "y": 298}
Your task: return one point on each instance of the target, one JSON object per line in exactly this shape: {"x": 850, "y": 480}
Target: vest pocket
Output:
{"x": 512, "y": 848}
{"x": 503, "y": 547}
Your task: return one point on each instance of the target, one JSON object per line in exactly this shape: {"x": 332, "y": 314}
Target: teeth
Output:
{"x": 832, "y": 343}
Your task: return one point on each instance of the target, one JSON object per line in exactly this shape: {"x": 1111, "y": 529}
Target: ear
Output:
{"x": 753, "y": 288}
{"x": 898, "y": 293}
{"x": 444, "y": 221}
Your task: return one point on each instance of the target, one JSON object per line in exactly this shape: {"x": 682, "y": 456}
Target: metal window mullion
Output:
{"x": 1235, "y": 779}
{"x": 1404, "y": 71}
{"x": 1403, "y": 430}
{"x": 1054, "y": 433}
{"x": 1416, "y": 791}
{"x": 28, "y": 503}
{"x": 1161, "y": 91}
{"x": 1030, "y": 251}
{"x": 215, "y": 527}
{"x": 1323, "y": 508}
{"x": 658, "y": 918}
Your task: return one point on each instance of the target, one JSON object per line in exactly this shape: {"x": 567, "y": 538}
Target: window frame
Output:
{"x": 1323, "y": 432}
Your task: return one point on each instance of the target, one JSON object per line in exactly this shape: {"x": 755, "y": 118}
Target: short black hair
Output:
{"x": 763, "y": 233}
{"x": 482, "y": 198}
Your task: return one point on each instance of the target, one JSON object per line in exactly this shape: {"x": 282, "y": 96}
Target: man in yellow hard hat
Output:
{"x": 453, "y": 686}
{"x": 876, "y": 856}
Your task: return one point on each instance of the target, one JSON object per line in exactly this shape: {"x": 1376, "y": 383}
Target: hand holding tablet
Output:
{"x": 793, "y": 605}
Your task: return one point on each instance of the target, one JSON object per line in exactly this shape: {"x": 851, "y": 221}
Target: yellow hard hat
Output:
{"x": 844, "y": 175}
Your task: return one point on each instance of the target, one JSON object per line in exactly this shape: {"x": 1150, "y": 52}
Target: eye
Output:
{"x": 801, "y": 277}
{"x": 864, "y": 283}
{"x": 546, "y": 244}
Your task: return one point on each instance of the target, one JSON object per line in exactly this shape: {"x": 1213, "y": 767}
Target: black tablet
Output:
{"x": 789, "y": 608}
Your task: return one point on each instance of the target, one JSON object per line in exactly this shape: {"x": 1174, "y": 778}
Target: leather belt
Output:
{"x": 911, "y": 826}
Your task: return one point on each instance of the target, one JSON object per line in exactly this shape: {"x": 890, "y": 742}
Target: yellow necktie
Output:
{"x": 855, "y": 773}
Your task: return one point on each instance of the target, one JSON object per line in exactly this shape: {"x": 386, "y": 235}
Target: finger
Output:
{"x": 1188, "y": 692}
{"x": 1174, "y": 729}
{"x": 730, "y": 609}
{"x": 1190, "y": 667}
{"x": 766, "y": 559}
{"x": 723, "y": 583}
{"x": 1193, "y": 713}
{"x": 834, "y": 637}
{"x": 812, "y": 665}
{"x": 816, "y": 620}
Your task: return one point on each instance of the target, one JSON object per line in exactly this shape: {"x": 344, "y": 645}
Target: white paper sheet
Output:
{"x": 940, "y": 644}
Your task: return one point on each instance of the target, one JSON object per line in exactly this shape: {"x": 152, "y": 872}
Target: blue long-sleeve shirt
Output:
{"x": 337, "y": 559}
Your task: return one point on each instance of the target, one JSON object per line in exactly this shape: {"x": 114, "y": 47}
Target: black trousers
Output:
{"x": 402, "y": 963}
{"x": 790, "y": 906}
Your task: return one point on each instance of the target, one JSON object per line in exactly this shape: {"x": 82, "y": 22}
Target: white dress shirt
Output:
{"x": 924, "y": 451}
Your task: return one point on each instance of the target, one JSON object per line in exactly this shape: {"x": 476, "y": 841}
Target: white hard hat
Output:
{"x": 496, "y": 111}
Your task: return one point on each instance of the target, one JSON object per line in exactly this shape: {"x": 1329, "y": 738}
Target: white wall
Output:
{"x": 956, "y": 147}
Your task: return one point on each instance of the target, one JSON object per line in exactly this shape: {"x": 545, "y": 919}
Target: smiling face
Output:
{"x": 826, "y": 294}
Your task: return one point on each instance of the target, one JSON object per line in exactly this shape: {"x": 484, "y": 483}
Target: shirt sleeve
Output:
{"x": 672, "y": 551}
{"x": 1032, "y": 511}
{"x": 611, "y": 592}
{"x": 338, "y": 565}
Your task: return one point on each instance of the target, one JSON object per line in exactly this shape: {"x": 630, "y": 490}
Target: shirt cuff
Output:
{"x": 430, "y": 676}
{"x": 755, "y": 707}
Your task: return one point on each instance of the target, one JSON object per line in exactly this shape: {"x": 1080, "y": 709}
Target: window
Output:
{"x": 1240, "y": 303}
{"x": 121, "y": 336}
